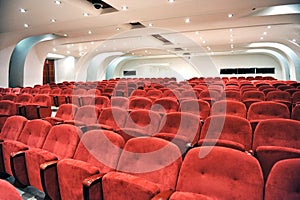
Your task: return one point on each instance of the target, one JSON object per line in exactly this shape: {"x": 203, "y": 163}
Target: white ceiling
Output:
{"x": 209, "y": 23}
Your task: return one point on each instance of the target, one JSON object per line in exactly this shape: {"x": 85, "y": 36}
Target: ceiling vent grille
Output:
{"x": 162, "y": 39}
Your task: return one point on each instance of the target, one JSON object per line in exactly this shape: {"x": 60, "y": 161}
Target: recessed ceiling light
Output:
{"x": 57, "y": 2}
{"x": 231, "y": 35}
{"x": 265, "y": 33}
{"x": 52, "y": 20}
{"x": 269, "y": 27}
{"x": 197, "y": 32}
{"x": 187, "y": 20}
{"x": 86, "y": 14}
{"x": 261, "y": 38}
{"x": 230, "y": 30}
{"x": 92, "y": 42}
{"x": 231, "y": 40}
{"x": 150, "y": 24}
{"x": 72, "y": 45}
{"x": 66, "y": 35}
{"x": 54, "y": 49}
{"x": 230, "y": 15}
{"x": 26, "y": 25}
{"x": 117, "y": 28}
{"x": 294, "y": 40}
{"x": 68, "y": 52}
{"x": 124, "y": 8}
{"x": 22, "y": 10}
{"x": 231, "y": 46}
{"x": 89, "y": 32}
{"x": 200, "y": 38}
{"x": 208, "y": 48}
{"x": 203, "y": 41}
{"x": 171, "y": 1}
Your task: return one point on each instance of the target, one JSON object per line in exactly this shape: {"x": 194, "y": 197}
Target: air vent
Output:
{"x": 186, "y": 54}
{"x": 136, "y": 25}
{"x": 162, "y": 39}
{"x": 178, "y": 49}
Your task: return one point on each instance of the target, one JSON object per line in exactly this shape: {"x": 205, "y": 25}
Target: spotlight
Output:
{"x": 97, "y": 4}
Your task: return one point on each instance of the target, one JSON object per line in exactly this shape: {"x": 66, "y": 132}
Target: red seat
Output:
{"x": 219, "y": 173}
{"x": 284, "y": 180}
{"x": 154, "y": 94}
{"x": 296, "y": 113}
{"x": 229, "y": 131}
{"x": 229, "y": 107}
{"x": 64, "y": 96}
{"x": 85, "y": 115}
{"x": 64, "y": 112}
{"x": 140, "y": 103}
{"x": 197, "y": 107}
{"x": 165, "y": 105}
{"x": 120, "y": 102}
{"x": 296, "y": 98}
{"x": 250, "y": 97}
{"x": 7, "y": 109}
{"x": 147, "y": 165}
{"x": 140, "y": 123}
{"x": 274, "y": 140}
{"x": 8, "y": 191}
{"x": 233, "y": 95}
{"x": 280, "y": 96}
{"x": 97, "y": 154}
{"x": 39, "y": 108}
{"x": 61, "y": 142}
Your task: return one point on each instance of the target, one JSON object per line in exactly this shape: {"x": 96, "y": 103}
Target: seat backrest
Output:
{"x": 253, "y": 95}
{"x": 205, "y": 171}
{"x": 66, "y": 111}
{"x": 277, "y": 132}
{"x": 11, "y": 97}
{"x": 267, "y": 110}
{"x": 34, "y": 133}
{"x": 153, "y": 159}
{"x": 24, "y": 98}
{"x": 296, "y": 97}
{"x": 120, "y": 102}
{"x": 93, "y": 92}
{"x": 154, "y": 93}
{"x": 278, "y": 95}
{"x": 101, "y": 148}
{"x": 7, "y": 107}
{"x": 284, "y": 180}
{"x": 181, "y": 124}
{"x": 87, "y": 114}
{"x": 229, "y": 107}
{"x": 113, "y": 117}
{"x": 233, "y": 95}
{"x": 145, "y": 120}
{"x": 8, "y": 191}
{"x": 42, "y": 100}
{"x": 12, "y": 127}
{"x": 165, "y": 105}
{"x": 55, "y": 91}
{"x": 296, "y": 113}
{"x": 140, "y": 103}
{"x": 62, "y": 140}
{"x": 229, "y": 127}
{"x": 197, "y": 107}
{"x": 102, "y": 101}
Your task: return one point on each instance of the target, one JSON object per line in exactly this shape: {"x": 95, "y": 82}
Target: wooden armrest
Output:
{"x": 17, "y": 161}
{"x": 48, "y": 165}
{"x": 163, "y": 195}
{"x": 49, "y": 179}
{"x": 90, "y": 182}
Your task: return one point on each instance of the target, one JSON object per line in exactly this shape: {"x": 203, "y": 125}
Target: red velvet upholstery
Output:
{"x": 10, "y": 97}
{"x": 120, "y": 102}
{"x": 24, "y": 99}
{"x": 233, "y": 95}
{"x": 165, "y": 105}
{"x": 140, "y": 123}
{"x": 296, "y": 113}
{"x": 102, "y": 102}
{"x": 198, "y": 107}
{"x": 60, "y": 143}
{"x": 64, "y": 112}
{"x": 98, "y": 151}
{"x": 280, "y": 96}
{"x": 219, "y": 173}
{"x": 250, "y": 97}
{"x": 12, "y": 127}
{"x": 296, "y": 98}
{"x": 274, "y": 140}
{"x": 140, "y": 103}
{"x": 180, "y": 125}
{"x": 33, "y": 135}
{"x": 85, "y": 115}
{"x": 7, "y": 109}
{"x": 138, "y": 93}
{"x": 64, "y": 96}
{"x": 154, "y": 94}
{"x": 229, "y": 107}
{"x": 39, "y": 108}
{"x": 149, "y": 165}
{"x": 284, "y": 181}
{"x": 8, "y": 191}
{"x": 229, "y": 131}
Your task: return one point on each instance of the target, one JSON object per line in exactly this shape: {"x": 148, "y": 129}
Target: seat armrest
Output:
{"x": 163, "y": 195}
{"x": 49, "y": 179}
{"x": 90, "y": 182}
{"x": 18, "y": 167}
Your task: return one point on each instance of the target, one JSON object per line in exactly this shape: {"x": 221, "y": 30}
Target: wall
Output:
{"x": 65, "y": 69}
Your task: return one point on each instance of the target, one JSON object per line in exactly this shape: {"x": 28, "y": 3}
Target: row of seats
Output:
{"x": 65, "y": 163}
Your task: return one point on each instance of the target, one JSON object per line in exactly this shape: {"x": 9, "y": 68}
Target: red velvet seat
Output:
{"x": 229, "y": 131}
{"x": 189, "y": 94}
{"x": 39, "y": 108}
{"x": 7, "y": 109}
{"x": 154, "y": 94}
{"x": 284, "y": 180}
{"x": 229, "y": 107}
{"x": 97, "y": 154}
{"x": 219, "y": 173}
{"x": 233, "y": 95}
{"x": 138, "y": 93}
{"x": 296, "y": 113}
{"x": 102, "y": 102}
{"x": 85, "y": 115}
{"x": 181, "y": 128}
{"x": 274, "y": 140}
{"x": 10, "y": 97}
{"x": 33, "y": 135}
{"x": 266, "y": 110}
{"x": 64, "y": 96}
{"x": 296, "y": 98}
{"x": 147, "y": 165}
{"x": 119, "y": 102}
{"x": 22, "y": 100}
{"x": 140, "y": 123}
{"x": 140, "y": 103}
{"x": 77, "y": 94}
{"x": 8, "y": 191}
{"x": 210, "y": 96}
{"x": 250, "y": 97}
{"x": 197, "y": 107}
{"x": 112, "y": 118}
{"x": 64, "y": 112}
{"x": 61, "y": 142}
{"x": 165, "y": 105}
{"x": 280, "y": 96}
